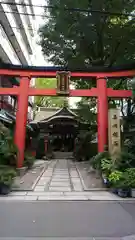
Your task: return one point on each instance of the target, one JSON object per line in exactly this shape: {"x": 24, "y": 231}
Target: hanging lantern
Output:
{"x": 63, "y": 79}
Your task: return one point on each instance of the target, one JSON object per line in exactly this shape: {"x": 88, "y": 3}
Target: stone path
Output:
{"x": 60, "y": 177}
{"x": 62, "y": 181}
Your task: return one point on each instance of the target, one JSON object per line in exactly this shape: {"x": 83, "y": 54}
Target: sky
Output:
{"x": 38, "y": 22}
{"x": 41, "y": 60}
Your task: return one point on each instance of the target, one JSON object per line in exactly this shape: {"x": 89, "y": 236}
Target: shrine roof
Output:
{"x": 47, "y": 114}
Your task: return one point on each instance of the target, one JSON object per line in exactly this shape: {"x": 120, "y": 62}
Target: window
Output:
{"x": 12, "y": 22}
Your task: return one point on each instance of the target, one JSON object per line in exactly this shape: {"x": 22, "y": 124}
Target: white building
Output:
{"x": 18, "y": 36}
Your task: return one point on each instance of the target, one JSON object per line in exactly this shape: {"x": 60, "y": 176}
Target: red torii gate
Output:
{"x": 24, "y": 90}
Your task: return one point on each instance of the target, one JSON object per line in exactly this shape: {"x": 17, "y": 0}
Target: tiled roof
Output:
{"x": 9, "y": 118}
{"x": 43, "y": 115}
{"x": 4, "y": 117}
{"x": 48, "y": 113}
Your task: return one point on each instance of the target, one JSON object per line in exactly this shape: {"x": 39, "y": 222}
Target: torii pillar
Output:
{"x": 21, "y": 119}
{"x": 102, "y": 113}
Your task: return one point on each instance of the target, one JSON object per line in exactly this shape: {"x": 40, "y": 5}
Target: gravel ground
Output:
{"x": 91, "y": 178}
{"x": 25, "y": 183}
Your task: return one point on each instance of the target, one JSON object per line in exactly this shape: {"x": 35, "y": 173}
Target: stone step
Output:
{"x": 63, "y": 155}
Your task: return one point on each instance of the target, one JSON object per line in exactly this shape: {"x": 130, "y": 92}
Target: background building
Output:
{"x": 17, "y": 44}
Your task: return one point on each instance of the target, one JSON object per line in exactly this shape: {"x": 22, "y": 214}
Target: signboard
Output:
{"x": 63, "y": 79}
{"x": 114, "y": 131}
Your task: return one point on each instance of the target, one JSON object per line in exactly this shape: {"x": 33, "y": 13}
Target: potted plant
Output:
{"x": 123, "y": 190}
{"x": 107, "y": 166}
{"x": 118, "y": 182}
{"x": 7, "y": 175}
{"x": 114, "y": 177}
{"x": 131, "y": 180}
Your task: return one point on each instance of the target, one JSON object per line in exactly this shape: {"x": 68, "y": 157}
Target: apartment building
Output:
{"x": 17, "y": 44}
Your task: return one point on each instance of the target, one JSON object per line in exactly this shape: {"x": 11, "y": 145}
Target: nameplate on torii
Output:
{"x": 63, "y": 82}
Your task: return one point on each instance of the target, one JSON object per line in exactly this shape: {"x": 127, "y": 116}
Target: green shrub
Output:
{"x": 96, "y": 160}
{"x": 125, "y": 160}
{"x": 8, "y": 150}
{"x": 115, "y": 176}
{"x": 84, "y": 148}
{"x": 7, "y": 175}
{"x": 130, "y": 176}
{"x": 129, "y": 146}
{"x": 108, "y": 165}
{"x": 29, "y": 159}
{"x": 118, "y": 179}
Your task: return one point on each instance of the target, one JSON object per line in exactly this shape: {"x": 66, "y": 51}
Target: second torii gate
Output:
{"x": 24, "y": 91}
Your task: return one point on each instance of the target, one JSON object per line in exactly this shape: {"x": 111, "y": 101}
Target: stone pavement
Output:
{"x": 61, "y": 181}
{"x": 59, "y": 177}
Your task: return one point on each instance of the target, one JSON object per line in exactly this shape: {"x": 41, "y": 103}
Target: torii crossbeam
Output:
{"x": 24, "y": 91}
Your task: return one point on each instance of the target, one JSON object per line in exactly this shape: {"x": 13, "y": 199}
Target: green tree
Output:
{"x": 87, "y": 111}
{"x": 48, "y": 101}
{"x": 84, "y": 39}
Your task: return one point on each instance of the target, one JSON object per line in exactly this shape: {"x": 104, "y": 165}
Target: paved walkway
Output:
{"x": 60, "y": 177}
{"x": 62, "y": 181}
